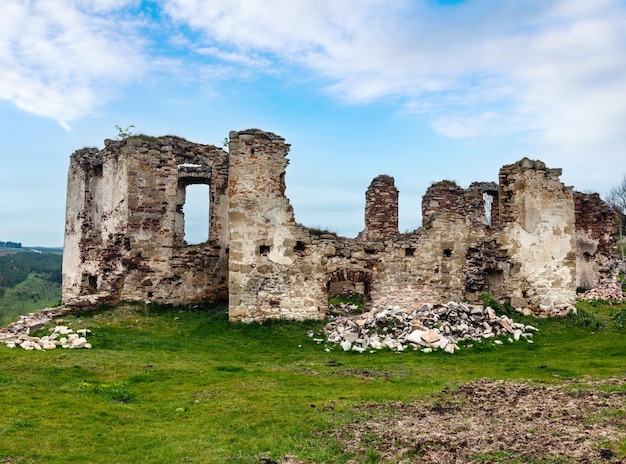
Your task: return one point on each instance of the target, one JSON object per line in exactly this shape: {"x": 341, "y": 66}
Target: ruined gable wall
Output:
{"x": 538, "y": 234}
{"x": 264, "y": 279}
{"x": 596, "y": 227}
{"x": 83, "y": 222}
{"x": 140, "y": 253}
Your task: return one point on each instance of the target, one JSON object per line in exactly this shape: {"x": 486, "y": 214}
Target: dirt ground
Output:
{"x": 496, "y": 422}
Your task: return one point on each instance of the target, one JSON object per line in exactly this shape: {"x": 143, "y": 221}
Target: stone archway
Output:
{"x": 350, "y": 285}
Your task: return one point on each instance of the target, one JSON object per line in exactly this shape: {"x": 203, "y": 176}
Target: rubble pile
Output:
{"x": 18, "y": 333}
{"x": 604, "y": 292}
{"x": 427, "y": 328}
{"x": 61, "y": 336}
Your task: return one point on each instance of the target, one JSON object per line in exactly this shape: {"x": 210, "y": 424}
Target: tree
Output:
{"x": 617, "y": 199}
{"x": 617, "y": 196}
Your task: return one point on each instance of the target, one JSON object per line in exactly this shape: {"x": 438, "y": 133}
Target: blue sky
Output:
{"x": 417, "y": 89}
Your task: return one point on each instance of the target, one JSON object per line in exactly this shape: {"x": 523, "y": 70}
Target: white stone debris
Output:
{"x": 427, "y": 328}
{"x": 17, "y": 334}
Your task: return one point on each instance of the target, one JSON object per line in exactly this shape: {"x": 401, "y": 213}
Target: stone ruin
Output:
{"x": 528, "y": 241}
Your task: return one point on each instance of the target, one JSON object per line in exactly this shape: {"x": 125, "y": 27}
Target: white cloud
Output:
{"x": 59, "y": 62}
{"x": 551, "y": 72}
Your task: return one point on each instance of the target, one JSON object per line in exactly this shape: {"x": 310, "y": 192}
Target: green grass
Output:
{"x": 168, "y": 385}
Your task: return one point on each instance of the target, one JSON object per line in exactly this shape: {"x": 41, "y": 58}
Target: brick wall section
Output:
{"x": 596, "y": 229}
{"x": 441, "y": 198}
{"x": 381, "y": 209}
{"x": 598, "y": 219}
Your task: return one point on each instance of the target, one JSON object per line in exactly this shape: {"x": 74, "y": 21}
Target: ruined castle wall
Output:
{"x": 596, "y": 227}
{"x": 430, "y": 265}
{"x": 527, "y": 241}
{"x": 131, "y": 239}
{"x": 538, "y": 234}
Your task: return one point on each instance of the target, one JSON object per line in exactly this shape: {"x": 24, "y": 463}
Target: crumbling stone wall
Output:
{"x": 125, "y": 226}
{"x": 538, "y": 233}
{"x": 596, "y": 228}
{"x": 523, "y": 240}
{"x": 263, "y": 281}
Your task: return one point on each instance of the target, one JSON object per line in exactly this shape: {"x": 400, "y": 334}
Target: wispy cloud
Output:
{"x": 551, "y": 72}
{"x": 61, "y": 61}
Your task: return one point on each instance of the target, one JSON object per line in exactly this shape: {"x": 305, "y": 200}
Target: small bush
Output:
{"x": 491, "y": 301}
{"x": 619, "y": 319}
{"x": 586, "y": 319}
{"x": 320, "y": 231}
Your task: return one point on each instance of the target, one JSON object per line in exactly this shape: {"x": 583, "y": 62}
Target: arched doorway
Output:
{"x": 348, "y": 291}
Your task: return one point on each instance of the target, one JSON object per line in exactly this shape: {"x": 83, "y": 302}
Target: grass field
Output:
{"x": 165, "y": 385}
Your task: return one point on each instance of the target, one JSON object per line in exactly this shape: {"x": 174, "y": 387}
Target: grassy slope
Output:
{"x": 28, "y": 281}
{"x": 163, "y": 385}
{"x": 36, "y": 292}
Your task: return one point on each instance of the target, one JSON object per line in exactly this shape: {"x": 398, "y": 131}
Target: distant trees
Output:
{"x": 10, "y": 245}
{"x": 15, "y": 268}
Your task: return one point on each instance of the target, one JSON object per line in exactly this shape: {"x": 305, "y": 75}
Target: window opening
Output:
{"x": 93, "y": 283}
{"x": 196, "y": 213}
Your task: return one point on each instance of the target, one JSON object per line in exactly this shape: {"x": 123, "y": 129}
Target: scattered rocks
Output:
{"x": 427, "y": 328}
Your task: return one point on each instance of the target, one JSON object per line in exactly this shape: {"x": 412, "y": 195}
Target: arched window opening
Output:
{"x": 196, "y": 213}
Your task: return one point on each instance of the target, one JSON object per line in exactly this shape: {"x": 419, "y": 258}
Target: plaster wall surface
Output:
{"x": 539, "y": 236}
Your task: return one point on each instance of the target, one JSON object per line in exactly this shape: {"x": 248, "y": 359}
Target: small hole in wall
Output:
{"x": 369, "y": 251}
{"x": 409, "y": 252}
{"x": 264, "y": 250}
{"x": 150, "y": 294}
{"x": 447, "y": 252}
{"x": 299, "y": 248}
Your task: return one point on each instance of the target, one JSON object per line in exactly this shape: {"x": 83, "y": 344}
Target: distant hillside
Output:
{"x": 29, "y": 280}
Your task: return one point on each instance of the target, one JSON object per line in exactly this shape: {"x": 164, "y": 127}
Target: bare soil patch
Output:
{"x": 495, "y": 422}
{"x": 498, "y": 421}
